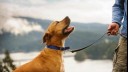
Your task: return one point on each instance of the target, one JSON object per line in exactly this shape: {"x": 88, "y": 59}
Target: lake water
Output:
{"x": 69, "y": 63}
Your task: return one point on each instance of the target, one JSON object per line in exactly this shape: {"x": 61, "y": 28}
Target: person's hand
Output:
{"x": 113, "y": 29}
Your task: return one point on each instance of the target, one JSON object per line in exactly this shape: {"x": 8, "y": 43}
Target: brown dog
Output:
{"x": 50, "y": 58}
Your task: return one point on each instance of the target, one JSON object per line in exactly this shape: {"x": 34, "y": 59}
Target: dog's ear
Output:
{"x": 46, "y": 37}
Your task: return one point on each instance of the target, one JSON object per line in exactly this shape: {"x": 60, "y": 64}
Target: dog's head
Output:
{"x": 58, "y": 29}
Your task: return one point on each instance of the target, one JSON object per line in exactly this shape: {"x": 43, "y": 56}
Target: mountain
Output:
{"x": 20, "y": 43}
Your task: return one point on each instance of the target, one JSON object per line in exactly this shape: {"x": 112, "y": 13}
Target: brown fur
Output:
{"x": 50, "y": 60}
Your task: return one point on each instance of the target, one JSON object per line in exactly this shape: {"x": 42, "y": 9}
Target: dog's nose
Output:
{"x": 66, "y": 19}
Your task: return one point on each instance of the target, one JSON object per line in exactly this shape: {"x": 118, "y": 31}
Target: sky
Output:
{"x": 84, "y": 11}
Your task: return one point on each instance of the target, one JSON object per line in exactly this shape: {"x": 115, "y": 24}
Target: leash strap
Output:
{"x": 88, "y": 45}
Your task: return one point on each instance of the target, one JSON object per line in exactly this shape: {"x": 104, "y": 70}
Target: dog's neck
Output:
{"x": 55, "y": 41}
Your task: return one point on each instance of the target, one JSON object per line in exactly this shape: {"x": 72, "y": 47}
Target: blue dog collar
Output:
{"x": 58, "y": 48}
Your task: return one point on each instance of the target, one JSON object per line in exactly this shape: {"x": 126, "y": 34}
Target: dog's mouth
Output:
{"x": 68, "y": 29}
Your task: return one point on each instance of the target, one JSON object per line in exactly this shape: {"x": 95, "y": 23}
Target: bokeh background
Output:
{"x": 23, "y": 22}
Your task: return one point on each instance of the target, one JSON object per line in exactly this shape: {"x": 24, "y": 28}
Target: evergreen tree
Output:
{"x": 1, "y": 67}
{"x": 8, "y": 61}
{"x": 6, "y": 64}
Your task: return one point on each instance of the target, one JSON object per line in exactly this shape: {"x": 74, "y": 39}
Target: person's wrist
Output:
{"x": 117, "y": 23}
